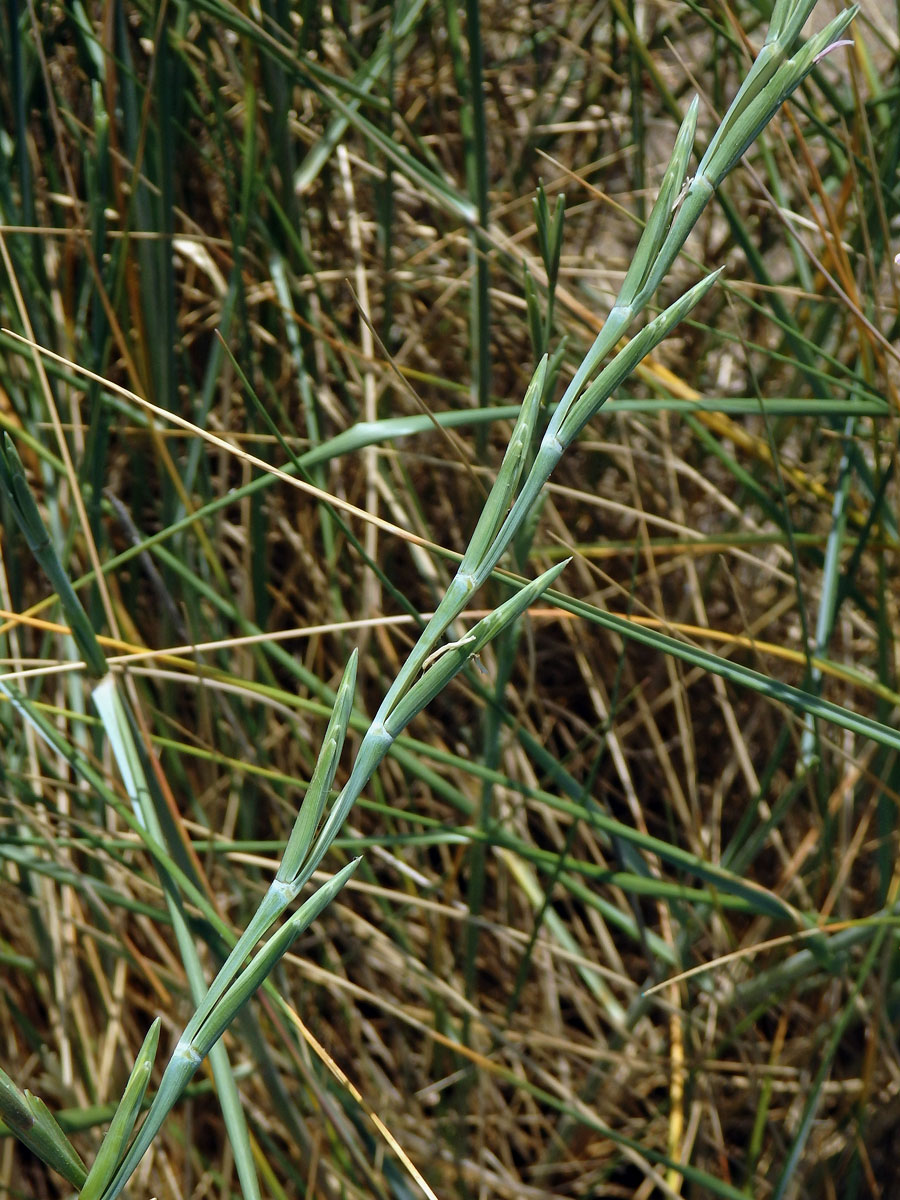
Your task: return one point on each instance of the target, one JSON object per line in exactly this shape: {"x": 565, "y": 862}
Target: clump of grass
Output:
{"x": 534, "y": 962}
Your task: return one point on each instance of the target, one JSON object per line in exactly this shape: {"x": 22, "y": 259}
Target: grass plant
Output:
{"x": 450, "y": 721}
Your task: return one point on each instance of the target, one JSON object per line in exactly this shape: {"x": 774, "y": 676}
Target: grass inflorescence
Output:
{"x": 448, "y": 688}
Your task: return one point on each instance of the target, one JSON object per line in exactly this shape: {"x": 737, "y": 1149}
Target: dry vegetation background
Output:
{"x": 481, "y": 980}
